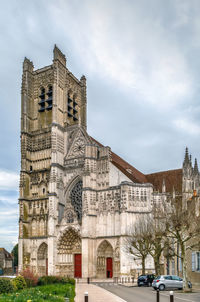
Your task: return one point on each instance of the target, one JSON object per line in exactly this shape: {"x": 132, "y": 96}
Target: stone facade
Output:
{"x": 78, "y": 199}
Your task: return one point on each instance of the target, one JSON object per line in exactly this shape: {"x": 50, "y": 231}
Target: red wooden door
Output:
{"x": 109, "y": 268}
{"x": 77, "y": 266}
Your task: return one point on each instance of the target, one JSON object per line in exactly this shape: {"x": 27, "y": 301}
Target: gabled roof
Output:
{"x": 132, "y": 173}
{"x": 172, "y": 178}
{"x": 6, "y": 253}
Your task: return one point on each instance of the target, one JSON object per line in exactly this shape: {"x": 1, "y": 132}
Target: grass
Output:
{"x": 47, "y": 293}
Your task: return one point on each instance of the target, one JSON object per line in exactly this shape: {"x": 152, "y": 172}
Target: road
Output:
{"x": 147, "y": 294}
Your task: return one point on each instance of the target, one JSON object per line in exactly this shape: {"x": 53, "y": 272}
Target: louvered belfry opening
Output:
{"x": 50, "y": 97}
{"x": 45, "y": 99}
{"x": 72, "y": 108}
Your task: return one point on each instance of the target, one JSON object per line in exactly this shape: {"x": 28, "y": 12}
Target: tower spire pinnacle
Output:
{"x": 186, "y": 159}
{"x": 196, "y": 170}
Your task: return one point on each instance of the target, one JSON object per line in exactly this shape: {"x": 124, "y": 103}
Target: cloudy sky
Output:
{"x": 142, "y": 63}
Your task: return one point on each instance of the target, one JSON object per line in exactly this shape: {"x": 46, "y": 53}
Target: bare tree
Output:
{"x": 184, "y": 229}
{"x": 137, "y": 243}
{"x": 158, "y": 226}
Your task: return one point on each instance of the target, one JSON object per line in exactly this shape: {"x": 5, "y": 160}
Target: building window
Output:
{"x": 173, "y": 267}
{"x": 76, "y": 199}
{"x": 72, "y": 108}
{"x": 42, "y": 100}
{"x": 195, "y": 261}
{"x": 50, "y": 98}
{"x": 198, "y": 261}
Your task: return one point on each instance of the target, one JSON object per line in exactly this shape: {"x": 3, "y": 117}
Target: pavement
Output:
{"x": 127, "y": 292}
{"x": 95, "y": 294}
{"x": 147, "y": 294}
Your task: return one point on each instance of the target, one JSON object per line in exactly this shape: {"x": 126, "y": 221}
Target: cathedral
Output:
{"x": 78, "y": 199}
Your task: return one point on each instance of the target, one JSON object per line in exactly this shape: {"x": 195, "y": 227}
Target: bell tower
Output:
{"x": 52, "y": 99}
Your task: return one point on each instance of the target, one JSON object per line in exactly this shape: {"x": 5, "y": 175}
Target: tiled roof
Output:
{"x": 6, "y": 253}
{"x": 132, "y": 173}
{"x": 172, "y": 178}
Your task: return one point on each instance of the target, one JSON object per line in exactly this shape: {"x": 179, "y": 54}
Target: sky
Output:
{"x": 142, "y": 64}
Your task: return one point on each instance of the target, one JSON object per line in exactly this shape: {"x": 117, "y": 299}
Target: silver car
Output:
{"x": 168, "y": 281}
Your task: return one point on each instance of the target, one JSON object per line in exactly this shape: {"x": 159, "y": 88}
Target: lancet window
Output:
{"x": 76, "y": 198}
{"x": 72, "y": 108}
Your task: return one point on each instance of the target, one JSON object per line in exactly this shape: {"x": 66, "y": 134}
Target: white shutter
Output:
{"x": 193, "y": 261}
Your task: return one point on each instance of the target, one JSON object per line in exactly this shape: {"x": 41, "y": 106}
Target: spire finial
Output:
{"x": 186, "y": 159}
{"x": 196, "y": 170}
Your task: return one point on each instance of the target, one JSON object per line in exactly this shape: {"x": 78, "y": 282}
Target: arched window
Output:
{"x": 42, "y": 100}
{"x": 34, "y": 227}
{"x": 50, "y": 98}
{"x": 42, "y": 227}
{"x": 72, "y": 108}
{"x": 76, "y": 198}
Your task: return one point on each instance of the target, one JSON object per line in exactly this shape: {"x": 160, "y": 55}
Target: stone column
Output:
{"x": 20, "y": 255}
{"x": 85, "y": 258}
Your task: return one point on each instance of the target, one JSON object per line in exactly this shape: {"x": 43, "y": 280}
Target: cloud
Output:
{"x": 139, "y": 56}
{"x": 187, "y": 126}
{"x": 8, "y": 224}
{"x": 9, "y": 180}
{"x": 141, "y": 59}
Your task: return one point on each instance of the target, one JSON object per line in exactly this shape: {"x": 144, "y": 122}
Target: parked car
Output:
{"x": 145, "y": 280}
{"x": 168, "y": 281}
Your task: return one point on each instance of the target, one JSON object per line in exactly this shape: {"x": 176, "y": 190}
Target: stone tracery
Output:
{"x": 76, "y": 198}
{"x": 69, "y": 242}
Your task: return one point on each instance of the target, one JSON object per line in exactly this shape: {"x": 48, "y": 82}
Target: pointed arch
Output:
{"x": 73, "y": 195}
{"x": 69, "y": 242}
{"x": 42, "y": 259}
{"x": 69, "y": 251}
{"x": 34, "y": 227}
{"x": 105, "y": 260}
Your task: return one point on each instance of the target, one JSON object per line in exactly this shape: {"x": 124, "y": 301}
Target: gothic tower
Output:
{"x": 52, "y": 99}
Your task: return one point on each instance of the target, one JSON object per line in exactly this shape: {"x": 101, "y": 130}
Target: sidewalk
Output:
{"x": 95, "y": 294}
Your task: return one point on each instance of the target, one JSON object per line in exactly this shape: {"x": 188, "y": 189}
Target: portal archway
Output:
{"x": 42, "y": 259}
{"x": 69, "y": 254}
{"x": 105, "y": 260}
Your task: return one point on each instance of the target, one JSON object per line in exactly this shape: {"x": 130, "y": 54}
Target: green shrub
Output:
{"x": 6, "y": 286}
{"x": 19, "y": 282}
{"x": 47, "y": 293}
{"x": 44, "y": 280}
{"x": 70, "y": 281}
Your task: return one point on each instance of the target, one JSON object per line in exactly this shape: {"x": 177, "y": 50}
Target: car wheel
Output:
{"x": 161, "y": 287}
